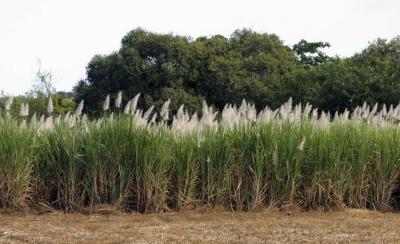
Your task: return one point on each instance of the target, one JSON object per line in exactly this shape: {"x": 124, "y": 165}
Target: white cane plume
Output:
{"x": 127, "y": 107}
{"x": 50, "y": 106}
{"x": 41, "y": 119}
{"x": 9, "y": 102}
{"x": 34, "y": 121}
{"x": 49, "y": 122}
{"x": 66, "y": 116}
{"x": 85, "y": 127}
{"x": 57, "y": 120}
{"x": 153, "y": 119}
{"x": 134, "y": 103}
{"x": 374, "y": 109}
{"x": 165, "y": 110}
{"x": 106, "y": 105}
{"x": 147, "y": 114}
{"x": 79, "y": 110}
{"x": 118, "y": 100}
{"x": 24, "y": 110}
{"x": 71, "y": 121}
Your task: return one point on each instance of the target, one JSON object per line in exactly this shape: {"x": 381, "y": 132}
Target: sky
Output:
{"x": 65, "y": 35}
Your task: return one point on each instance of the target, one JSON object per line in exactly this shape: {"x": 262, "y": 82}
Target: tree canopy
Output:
{"x": 258, "y": 67}
{"x": 247, "y": 65}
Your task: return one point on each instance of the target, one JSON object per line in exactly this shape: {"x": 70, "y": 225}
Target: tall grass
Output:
{"x": 16, "y": 161}
{"x": 245, "y": 160}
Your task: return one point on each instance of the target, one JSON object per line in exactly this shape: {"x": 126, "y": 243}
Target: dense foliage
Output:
{"x": 247, "y": 65}
{"x": 255, "y": 66}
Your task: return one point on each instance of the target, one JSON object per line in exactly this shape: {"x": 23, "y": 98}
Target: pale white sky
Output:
{"x": 66, "y": 34}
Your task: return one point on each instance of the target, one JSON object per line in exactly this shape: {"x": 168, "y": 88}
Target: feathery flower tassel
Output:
{"x": 72, "y": 121}
{"x": 24, "y": 110}
{"x": 48, "y": 124}
{"x": 106, "y": 105}
{"x": 9, "y": 102}
{"x": 79, "y": 110}
{"x": 57, "y": 120}
{"x": 33, "y": 121}
{"x": 21, "y": 110}
{"x": 147, "y": 114}
{"x": 50, "y": 106}
{"x": 134, "y": 103}
{"x": 165, "y": 110}
{"x": 127, "y": 107}
{"x": 153, "y": 119}
{"x": 118, "y": 101}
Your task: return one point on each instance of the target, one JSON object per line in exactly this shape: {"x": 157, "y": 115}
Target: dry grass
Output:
{"x": 209, "y": 226}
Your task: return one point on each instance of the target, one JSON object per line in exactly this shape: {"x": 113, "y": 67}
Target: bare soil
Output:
{"x": 208, "y": 226}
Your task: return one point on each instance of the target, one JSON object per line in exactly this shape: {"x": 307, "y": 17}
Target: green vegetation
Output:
{"x": 156, "y": 154}
{"x": 248, "y": 65}
{"x": 16, "y": 163}
{"x": 239, "y": 159}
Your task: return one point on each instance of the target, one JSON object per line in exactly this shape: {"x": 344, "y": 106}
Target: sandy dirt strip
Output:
{"x": 210, "y": 226}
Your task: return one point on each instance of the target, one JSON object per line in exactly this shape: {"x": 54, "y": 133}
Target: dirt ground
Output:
{"x": 202, "y": 227}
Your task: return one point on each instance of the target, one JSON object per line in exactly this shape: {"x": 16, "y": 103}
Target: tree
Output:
{"x": 43, "y": 82}
{"x": 247, "y": 66}
{"x": 218, "y": 69}
{"x": 255, "y": 66}
{"x": 146, "y": 63}
{"x": 310, "y": 54}
{"x": 378, "y": 69}
{"x": 372, "y": 76}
